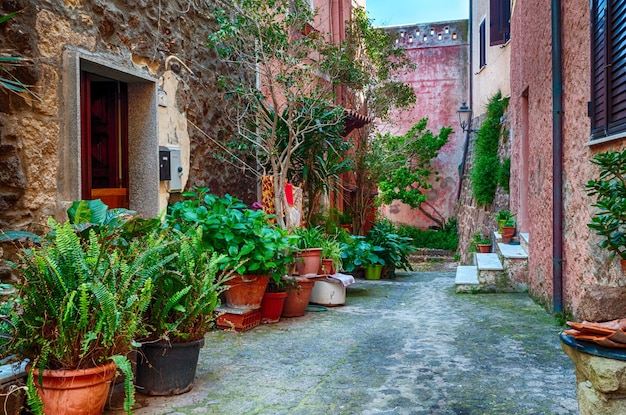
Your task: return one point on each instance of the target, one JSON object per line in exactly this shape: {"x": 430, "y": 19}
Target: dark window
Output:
{"x": 483, "y": 45}
{"x": 499, "y": 22}
{"x": 608, "y": 67}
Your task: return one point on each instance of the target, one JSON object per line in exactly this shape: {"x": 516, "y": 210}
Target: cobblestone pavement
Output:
{"x": 404, "y": 346}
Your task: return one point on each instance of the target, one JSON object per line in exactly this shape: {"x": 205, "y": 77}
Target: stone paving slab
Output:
{"x": 398, "y": 347}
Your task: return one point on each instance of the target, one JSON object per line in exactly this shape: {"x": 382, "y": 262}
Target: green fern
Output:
{"x": 81, "y": 300}
{"x": 187, "y": 289}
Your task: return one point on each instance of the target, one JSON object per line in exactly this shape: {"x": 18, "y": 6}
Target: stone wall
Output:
{"x": 472, "y": 218}
{"x": 142, "y": 35}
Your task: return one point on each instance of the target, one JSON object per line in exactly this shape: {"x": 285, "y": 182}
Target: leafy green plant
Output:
{"x": 478, "y": 239}
{"x": 357, "y": 252}
{"x": 504, "y": 215}
{"x": 186, "y": 291}
{"x": 485, "y": 171}
{"x": 249, "y": 243}
{"x": 81, "y": 303}
{"x": 395, "y": 248}
{"x": 120, "y": 226}
{"x": 509, "y": 223}
{"x": 446, "y": 238}
{"x": 309, "y": 237}
{"x": 331, "y": 249}
{"x": 609, "y": 190}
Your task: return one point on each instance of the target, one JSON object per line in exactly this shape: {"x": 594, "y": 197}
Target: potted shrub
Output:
{"x": 181, "y": 312}
{"x": 480, "y": 243}
{"x": 609, "y": 190}
{"x": 395, "y": 248}
{"x": 309, "y": 244}
{"x": 508, "y": 230}
{"x": 357, "y": 253}
{"x": 80, "y": 311}
{"x": 501, "y": 217}
{"x": 251, "y": 245}
{"x": 331, "y": 256}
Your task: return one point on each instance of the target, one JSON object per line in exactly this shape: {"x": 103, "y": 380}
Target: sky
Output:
{"x": 401, "y": 12}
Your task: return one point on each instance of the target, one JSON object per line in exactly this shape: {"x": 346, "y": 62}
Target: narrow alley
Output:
{"x": 404, "y": 346}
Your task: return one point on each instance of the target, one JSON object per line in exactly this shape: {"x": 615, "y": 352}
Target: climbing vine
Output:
{"x": 487, "y": 170}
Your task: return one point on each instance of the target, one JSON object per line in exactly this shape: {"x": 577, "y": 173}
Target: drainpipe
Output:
{"x": 468, "y": 132}
{"x": 557, "y": 159}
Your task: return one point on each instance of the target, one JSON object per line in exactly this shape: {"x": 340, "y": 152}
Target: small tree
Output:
{"x": 287, "y": 109}
{"x": 401, "y": 166}
{"x": 370, "y": 61}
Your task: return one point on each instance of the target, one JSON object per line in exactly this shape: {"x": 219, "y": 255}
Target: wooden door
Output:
{"x": 104, "y": 140}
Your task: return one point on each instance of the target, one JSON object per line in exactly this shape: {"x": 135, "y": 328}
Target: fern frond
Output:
{"x": 124, "y": 366}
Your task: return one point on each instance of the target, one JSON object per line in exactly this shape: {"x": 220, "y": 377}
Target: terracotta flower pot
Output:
{"x": 75, "y": 392}
{"x": 308, "y": 261}
{"x": 484, "y": 248}
{"x": 298, "y": 297}
{"x": 327, "y": 267}
{"x": 245, "y": 292}
{"x": 507, "y": 233}
{"x": 272, "y": 307}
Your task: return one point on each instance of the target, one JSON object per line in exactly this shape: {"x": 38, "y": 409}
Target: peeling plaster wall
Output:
{"x": 593, "y": 286}
{"x": 136, "y": 35}
{"x": 440, "y": 83}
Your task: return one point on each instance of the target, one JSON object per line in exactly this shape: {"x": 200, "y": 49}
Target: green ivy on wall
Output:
{"x": 487, "y": 171}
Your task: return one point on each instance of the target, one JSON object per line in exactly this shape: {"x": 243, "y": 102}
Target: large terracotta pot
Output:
{"x": 272, "y": 307}
{"x": 165, "y": 369}
{"x": 245, "y": 292}
{"x": 308, "y": 261}
{"x": 298, "y": 297}
{"x": 75, "y": 392}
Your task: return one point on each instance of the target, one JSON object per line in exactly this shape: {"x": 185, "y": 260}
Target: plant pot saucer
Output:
{"x": 306, "y": 276}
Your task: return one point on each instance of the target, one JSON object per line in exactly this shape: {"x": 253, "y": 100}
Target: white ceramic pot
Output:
{"x": 328, "y": 292}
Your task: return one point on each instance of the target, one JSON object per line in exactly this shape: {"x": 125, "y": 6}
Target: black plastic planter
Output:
{"x": 167, "y": 368}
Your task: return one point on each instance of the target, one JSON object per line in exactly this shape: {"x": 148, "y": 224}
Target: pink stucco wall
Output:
{"x": 440, "y": 83}
{"x": 590, "y": 278}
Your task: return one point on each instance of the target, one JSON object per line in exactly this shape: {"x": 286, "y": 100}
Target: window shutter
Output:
{"x": 608, "y": 67}
{"x": 617, "y": 66}
{"x": 598, "y": 63}
{"x": 483, "y": 45}
{"x": 499, "y": 26}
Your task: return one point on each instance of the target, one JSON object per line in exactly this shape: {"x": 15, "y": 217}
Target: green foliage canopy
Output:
{"x": 401, "y": 165}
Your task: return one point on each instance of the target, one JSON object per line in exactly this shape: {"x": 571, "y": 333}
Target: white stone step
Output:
{"x": 512, "y": 251}
{"x": 466, "y": 280}
{"x": 488, "y": 262}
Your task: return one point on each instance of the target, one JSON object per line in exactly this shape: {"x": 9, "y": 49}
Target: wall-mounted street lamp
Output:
{"x": 465, "y": 118}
